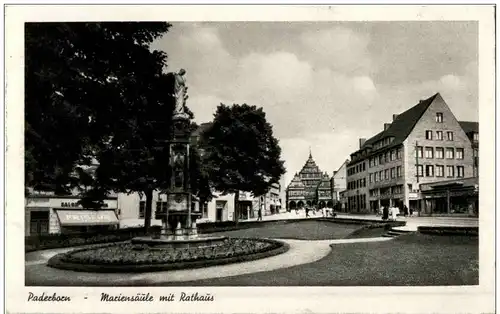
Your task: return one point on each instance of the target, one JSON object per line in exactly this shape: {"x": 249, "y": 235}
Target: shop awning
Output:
{"x": 87, "y": 217}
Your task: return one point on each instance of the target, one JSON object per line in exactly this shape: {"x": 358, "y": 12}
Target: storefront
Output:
{"x": 53, "y": 215}
{"x": 456, "y": 197}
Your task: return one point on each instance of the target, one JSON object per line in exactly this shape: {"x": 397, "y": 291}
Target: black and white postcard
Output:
{"x": 250, "y": 158}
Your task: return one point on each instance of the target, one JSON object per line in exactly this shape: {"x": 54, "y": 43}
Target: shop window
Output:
{"x": 39, "y": 222}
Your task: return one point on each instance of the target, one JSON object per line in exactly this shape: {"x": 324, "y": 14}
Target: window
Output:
{"x": 398, "y": 153}
{"x": 460, "y": 171}
{"x": 204, "y": 210}
{"x": 429, "y": 170}
{"x": 420, "y": 171}
{"x": 380, "y": 159}
{"x": 429, "y": 152}
{"x": 428, "y": 135}
{"x": 450, "y": 153}
{"x": 476, "y": 136}
{"x": 449, "y": 136}
{"x": 393, "y": 154}
{"x": 142, "y": 209}
{"x": 375, "y": 175}
{"x": 387, "y": 174}
{"x": 439, "y": 152}
{"x": 364, "y": 182}
{"x": 393, "y": 173}
{"x": 419, "y": 152}
{"x": 387, "y": 157}
{"x": 381, "y": 175}
{"x": 439, "y": 117}
{"x": 475, "y": 153}
{"x": 375, "y": 161}
{"x": 450, "y": 171}
{"x": 439, "y": 171}
{"x": 371, "y": 177}
{"x": 439, "y": 135}
{"x": 398, "y": 171}
{"x": 460, "y": 153}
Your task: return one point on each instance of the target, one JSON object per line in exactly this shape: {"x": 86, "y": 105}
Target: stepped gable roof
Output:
{"x": 404, "y": 123}
{"x": 296, "y": 183}
{"x": 469, "y": 126}
{"x": 310, "y": 166}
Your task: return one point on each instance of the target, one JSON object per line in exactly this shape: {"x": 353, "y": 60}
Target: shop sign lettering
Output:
{"x": 75, "y": 205}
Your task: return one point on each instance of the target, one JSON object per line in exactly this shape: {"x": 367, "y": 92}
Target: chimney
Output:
{"x": 361, "y": 142}
{"x": 394, "y": 116}
{"x": 386, "y": 126}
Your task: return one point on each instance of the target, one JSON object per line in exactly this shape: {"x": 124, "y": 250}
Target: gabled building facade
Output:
{"x": 425, "y": 144}
{"x": 309, "y": 187}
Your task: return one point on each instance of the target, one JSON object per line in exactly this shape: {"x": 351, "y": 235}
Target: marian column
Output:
{"x": 177, "y": 219}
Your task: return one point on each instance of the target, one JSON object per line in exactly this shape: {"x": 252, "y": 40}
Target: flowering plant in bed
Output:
{"x": 133, "y": 254}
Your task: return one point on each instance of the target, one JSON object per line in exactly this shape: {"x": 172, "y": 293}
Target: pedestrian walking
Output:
{"x": 307, "y": 212}
{"x": 411, "y": 211}
{"x": 405, "y": 210}
{"x": 259, "y": 215}
{"x": 385, "y": 213}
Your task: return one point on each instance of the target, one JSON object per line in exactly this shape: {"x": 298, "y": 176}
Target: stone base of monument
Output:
{"x": 180, "y": 241}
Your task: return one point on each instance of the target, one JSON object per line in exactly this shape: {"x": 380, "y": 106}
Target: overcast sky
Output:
{"x": 325, "y": 85}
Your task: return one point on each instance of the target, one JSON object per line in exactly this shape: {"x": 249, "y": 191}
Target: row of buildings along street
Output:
{"x": 424, "y": 159}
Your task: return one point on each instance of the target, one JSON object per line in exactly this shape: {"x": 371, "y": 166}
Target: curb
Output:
{"x": 57, "y": 262}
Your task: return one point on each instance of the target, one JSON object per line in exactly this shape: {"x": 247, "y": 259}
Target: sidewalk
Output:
{"x": 412, "y": 223}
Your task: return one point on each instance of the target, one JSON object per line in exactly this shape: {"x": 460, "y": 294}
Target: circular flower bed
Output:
{"x": 127, "y": 257}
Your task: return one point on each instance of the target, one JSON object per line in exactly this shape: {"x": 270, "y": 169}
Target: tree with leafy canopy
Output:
{"x": 242, "y": 152}
{"x": 83, "y": 82}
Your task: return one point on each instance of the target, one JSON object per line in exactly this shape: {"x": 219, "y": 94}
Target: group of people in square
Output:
{"x": 391, "y": 213}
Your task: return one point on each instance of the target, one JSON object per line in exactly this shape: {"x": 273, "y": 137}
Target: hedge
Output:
{"x": 54, "y": 241}
{"x": 449, "y": 230}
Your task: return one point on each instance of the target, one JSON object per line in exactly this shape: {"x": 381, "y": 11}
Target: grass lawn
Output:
{"x": 412, "y": 260}
{"x": 301, "y": 230}
{"x": 367, "y": 233}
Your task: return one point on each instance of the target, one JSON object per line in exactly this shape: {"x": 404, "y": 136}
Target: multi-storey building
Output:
{"x": 472, "y": 131}
{"x": 309, "y": 187}
{"x": 425, "y": 144}
{"x": 339, "y": 181}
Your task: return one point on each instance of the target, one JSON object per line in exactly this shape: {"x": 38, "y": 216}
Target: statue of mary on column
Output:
{"x": 180, "y": 92}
